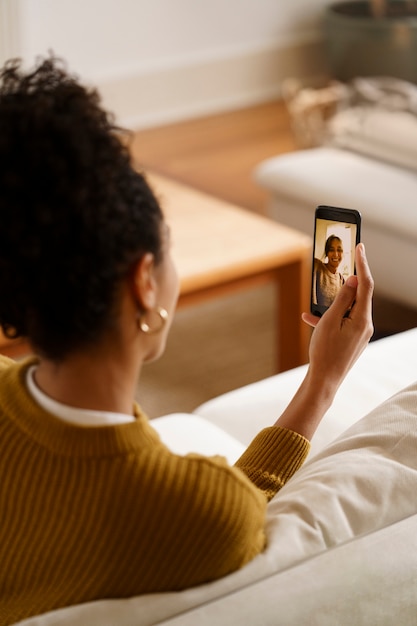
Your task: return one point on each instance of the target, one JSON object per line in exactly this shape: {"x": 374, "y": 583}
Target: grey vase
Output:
{"x": 359, "y": 44}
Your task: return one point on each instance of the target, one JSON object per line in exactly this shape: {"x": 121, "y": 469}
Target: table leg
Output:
{"x": 293, "y": 285}
{"x": 293, "y": 334}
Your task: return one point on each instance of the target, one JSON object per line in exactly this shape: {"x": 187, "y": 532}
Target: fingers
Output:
{"x": 345, "y": 298}
{"x": 357, "y": 291}
{"x": 342, "y": 303}
{"x": 310, "y": 319}
{"x": 365, "y": 289}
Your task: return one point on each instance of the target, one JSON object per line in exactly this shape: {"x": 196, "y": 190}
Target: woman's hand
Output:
{"x": 336, "y": 344}
{"x": 338, "y": 341}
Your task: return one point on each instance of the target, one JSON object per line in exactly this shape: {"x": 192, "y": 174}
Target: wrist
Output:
{"x": 307, "y": 408}
{"x": 321, "y": 386}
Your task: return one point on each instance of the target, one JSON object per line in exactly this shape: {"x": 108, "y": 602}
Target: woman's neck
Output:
{"x": 89, "y": 381}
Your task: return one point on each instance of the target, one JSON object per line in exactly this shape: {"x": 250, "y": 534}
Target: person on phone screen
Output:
{"x": 327, "y": 280}
{"x": 94, "y": 505}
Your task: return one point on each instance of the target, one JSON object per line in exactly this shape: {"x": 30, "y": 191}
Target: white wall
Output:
{"x": 161, "y": 60}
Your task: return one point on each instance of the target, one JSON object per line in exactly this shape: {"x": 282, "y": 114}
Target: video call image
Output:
{"x": 334, "y": 259}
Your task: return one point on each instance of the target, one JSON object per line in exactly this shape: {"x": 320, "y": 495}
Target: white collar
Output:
{"x": 78, "y": 417}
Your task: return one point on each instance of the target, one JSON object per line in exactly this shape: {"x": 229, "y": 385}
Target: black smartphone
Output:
{"x": 337, "y": 231}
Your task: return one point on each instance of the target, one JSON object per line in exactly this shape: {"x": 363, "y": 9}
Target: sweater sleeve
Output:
{"x": 273, "y": 457}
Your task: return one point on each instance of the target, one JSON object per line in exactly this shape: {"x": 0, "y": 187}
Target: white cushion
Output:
{"x": 183, "y": 433}
{"x": 365, "y": 480}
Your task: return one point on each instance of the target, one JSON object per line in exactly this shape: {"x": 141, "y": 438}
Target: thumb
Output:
{"x": 345, "y": 297}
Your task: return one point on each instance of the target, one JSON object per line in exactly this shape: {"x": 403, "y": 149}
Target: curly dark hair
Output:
{"x": 74, "y": 213}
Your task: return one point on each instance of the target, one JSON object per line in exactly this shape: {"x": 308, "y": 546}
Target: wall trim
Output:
{"x": 9, "y": 30}
{"x": 172, "y": 92}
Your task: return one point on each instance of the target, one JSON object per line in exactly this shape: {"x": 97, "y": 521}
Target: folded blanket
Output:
{"x": 381, "y": 121}
{"x": 385, "y": 92}
{"x": 383, "y": 134}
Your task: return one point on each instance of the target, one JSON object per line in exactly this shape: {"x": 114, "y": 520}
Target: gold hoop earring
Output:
{"x": 162, "y": 320}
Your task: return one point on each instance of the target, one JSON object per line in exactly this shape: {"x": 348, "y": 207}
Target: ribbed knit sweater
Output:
{"x": 109, "y": 512}
{"x": 326, "y": 285}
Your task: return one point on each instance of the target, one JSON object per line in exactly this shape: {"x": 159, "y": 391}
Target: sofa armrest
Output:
{"x": 386, "y": 366}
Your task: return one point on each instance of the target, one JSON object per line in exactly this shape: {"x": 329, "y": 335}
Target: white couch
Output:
{"x": 369, "y": 163}
{"x": 342, "y": 534}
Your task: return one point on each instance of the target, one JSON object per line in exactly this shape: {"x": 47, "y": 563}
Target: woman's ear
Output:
{"x": 144, "y": 283}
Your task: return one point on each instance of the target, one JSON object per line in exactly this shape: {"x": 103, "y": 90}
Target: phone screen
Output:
{"x": 336, "y": 234}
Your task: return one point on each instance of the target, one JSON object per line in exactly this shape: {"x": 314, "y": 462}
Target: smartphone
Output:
{"x": 337, "y": 231}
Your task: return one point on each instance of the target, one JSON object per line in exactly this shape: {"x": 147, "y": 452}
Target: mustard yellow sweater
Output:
{"x": 110, "y": 512}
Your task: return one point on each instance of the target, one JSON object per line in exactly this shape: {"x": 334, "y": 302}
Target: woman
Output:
{"x": 327, "y": 280}
{"x": 95, "y": 505}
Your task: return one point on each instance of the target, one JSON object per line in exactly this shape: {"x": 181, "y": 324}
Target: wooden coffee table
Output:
{"x": 220, "y": 248}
